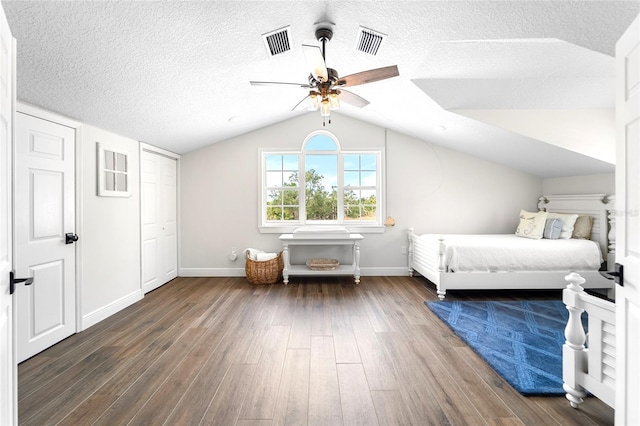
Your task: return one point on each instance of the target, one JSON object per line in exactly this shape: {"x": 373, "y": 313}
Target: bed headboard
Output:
{"x": 599, "y": 206}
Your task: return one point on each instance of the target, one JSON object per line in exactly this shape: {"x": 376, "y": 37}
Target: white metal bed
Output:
{"x": 432, "y": 263}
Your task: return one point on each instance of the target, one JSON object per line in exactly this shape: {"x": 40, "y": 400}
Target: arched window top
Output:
{"x": 321, "y": 140}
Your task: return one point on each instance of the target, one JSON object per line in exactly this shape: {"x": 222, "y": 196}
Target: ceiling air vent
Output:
{"x": 369, "y": 41}
{"x": 277, "y": 41}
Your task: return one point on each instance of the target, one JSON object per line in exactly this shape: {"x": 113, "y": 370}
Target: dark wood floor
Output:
{"x": 318, "y": 351}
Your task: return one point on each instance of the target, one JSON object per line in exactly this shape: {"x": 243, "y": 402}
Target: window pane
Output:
{"x": 121, "y": 162}
{"x": 290, "y": 198}
{"x": 367, "y": 196}
{"x": 121, "y": 182}
{"x": 368, "y": 178}
{"x": 109, "y": 159}
{"x": 321, "y": 172}
{"x": 290, "y": 162}
{"x": 321, "y": 143}
{"x": 351, "y": 213}
{"x": 274, "y": 179}
{"x": 291, "y": 213}
{"x": 274, "y": 198}
{"x": 110, "y": 181}
{"x": 273, "y": 162}
{"x": 369, "y": 213}
{"x": 368, "y": 162}
{"x": 351, "y": 178}
{"x": 290, "y": 179}
{"x": 351, "y": 162}
{"x": 274, "y": 213}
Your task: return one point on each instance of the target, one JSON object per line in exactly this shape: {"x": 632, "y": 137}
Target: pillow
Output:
{"x": 531, "y": 224}
{"x": 552, "y": 229}
{"x": 568, "y": 222}
{"x": 582, "y": 228}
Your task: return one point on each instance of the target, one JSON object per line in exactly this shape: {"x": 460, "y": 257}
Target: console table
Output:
{"x": 289, "y": 240}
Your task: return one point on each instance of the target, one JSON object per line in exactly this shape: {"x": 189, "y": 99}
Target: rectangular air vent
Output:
{"x": 369, "y": 41}
{"x": 277, "y": 41}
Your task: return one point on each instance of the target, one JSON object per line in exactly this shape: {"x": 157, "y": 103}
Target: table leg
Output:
{"x": 356, "y": 261}
{"x": 285, "y": 258}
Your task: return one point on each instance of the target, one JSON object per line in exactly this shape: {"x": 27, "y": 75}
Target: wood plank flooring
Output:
{"x": 320, "y": 351}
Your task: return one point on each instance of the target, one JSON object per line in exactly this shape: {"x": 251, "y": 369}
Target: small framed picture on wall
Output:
{"x": 113, "y": 172}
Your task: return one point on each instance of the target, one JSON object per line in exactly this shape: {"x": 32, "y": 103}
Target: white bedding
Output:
{"x": 507, "y": 252}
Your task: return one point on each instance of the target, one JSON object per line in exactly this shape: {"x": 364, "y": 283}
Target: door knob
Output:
{"x": 70, "y": 238}
{"x": 13, "y": 281}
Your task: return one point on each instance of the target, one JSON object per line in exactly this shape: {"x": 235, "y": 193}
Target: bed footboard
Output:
{"x": 592, "y": 367}
{"x": 428, "y": 260}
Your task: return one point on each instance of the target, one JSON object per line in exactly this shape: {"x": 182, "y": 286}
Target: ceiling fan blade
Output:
{"x": 298, "y": 104}
{"x": 315, "y": 61}
{"x": 277, "y": 83}
{"x": 368, "y": 76}
{"x": 352, "y": 98}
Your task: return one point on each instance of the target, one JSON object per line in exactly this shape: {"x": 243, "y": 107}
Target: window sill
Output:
{"x": 356, "y": 229}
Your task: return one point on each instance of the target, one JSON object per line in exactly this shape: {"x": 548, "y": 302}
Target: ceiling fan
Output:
{"x": 326, "y": 87}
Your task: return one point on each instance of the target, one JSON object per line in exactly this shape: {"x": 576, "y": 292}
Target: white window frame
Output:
{"x": 354, "y": 227}
{"x": 103, "y": 170}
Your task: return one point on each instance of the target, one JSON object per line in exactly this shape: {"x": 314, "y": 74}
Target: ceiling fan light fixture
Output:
{"x": 334, "y": 102}
{"x": 325, "y": 108}
{"x": 312, "y": 101}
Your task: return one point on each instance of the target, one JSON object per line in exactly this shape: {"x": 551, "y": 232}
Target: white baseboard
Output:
{"x": 239, "y": 272}
{"x": 211, "y": 272}
{"x": 391, "y": 271}
{"x": 104, "y": 312}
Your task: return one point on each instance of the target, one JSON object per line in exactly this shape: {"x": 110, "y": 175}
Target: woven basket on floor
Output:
{"x": 264, "y": 271}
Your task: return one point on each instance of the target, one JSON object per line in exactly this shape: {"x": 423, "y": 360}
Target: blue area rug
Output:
{"x": 521, "y": 340}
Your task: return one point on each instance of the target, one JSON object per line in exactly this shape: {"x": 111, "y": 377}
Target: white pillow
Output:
{"x": 531, "y": 224}
{"x": 568, "y": 222}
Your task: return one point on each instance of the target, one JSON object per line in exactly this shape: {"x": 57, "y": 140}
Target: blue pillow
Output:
{"x": 552, "y": 229}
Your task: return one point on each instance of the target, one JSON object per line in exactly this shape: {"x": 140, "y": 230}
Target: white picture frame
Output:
{"x": 113, "y": 171}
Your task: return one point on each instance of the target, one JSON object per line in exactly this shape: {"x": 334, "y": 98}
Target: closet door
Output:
{"x": 159, "y": 220}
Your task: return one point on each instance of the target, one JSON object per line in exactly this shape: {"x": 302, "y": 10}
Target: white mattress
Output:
{"x": 506, "y": 252}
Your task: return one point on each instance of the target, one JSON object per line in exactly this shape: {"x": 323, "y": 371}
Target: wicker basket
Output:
{"x": 264, "y": 271}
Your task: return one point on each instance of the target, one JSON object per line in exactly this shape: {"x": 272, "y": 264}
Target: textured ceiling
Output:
{"x": 173, "y": 73}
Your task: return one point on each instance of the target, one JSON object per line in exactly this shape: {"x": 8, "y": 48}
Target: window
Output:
{"x": 113, "y": 172}
{"x": 322, "y": 184}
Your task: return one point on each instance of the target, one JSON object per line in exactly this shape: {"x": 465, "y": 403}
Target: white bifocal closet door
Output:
{"x": 159, "y": 220}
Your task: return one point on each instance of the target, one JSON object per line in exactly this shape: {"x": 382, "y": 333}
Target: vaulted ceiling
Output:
{"x": 529, "y": 84}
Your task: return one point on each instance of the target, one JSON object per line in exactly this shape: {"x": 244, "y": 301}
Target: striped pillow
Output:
{"x": 552, "y": 229}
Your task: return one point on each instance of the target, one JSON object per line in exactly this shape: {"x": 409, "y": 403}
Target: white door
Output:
{"x": 8, "y": 372}
{"x": 159, "y": 220}
{"x": 44, "y": 214}
{"x": 628, "y": 226}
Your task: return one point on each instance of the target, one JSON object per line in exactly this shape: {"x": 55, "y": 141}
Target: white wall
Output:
{"x": 430, "y": 188}
{"x": 110, "y": 233}
{"x": 591, "y": 184}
